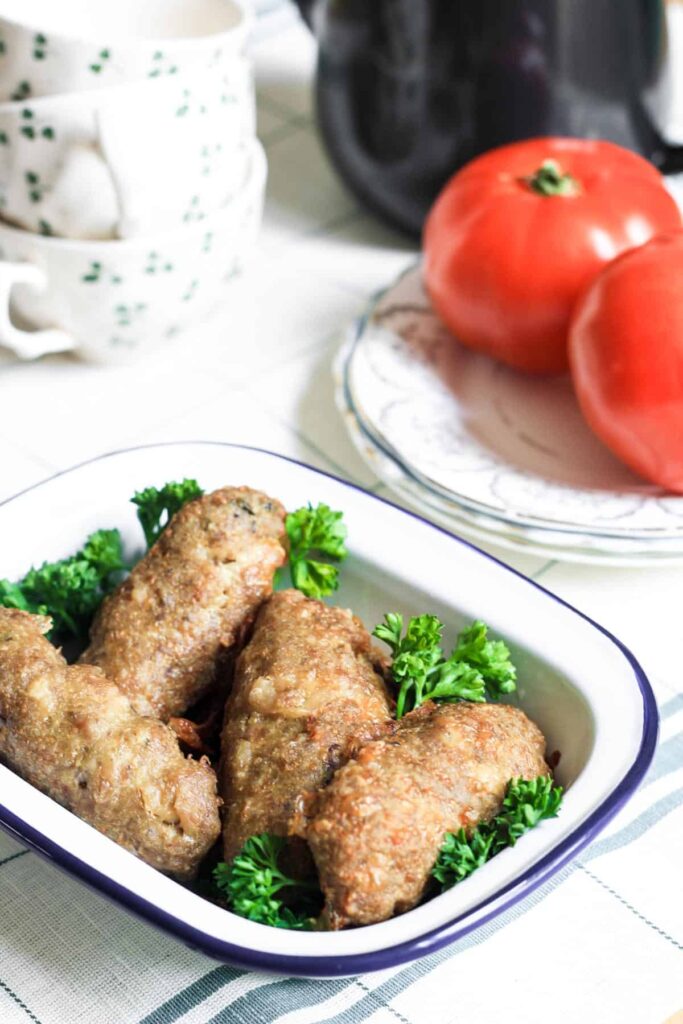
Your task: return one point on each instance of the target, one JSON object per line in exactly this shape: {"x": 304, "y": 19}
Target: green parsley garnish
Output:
{"x": 253, "y": 880}
{"x": 314, "y": 532}
{"x": 70, "y": 590}
{"x": 525, "y": 804}
{"x": 157, "y": 505}
{"x": 477, "y": 669}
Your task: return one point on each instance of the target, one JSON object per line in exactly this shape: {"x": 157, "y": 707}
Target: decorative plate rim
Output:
{"x": 575, "y": 548}
{"x": 521, "y": 519}
{"x": 480, "y": 527}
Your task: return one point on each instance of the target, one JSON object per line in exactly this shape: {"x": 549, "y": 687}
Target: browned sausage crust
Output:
{"x": 160, "y": 634}
{"x": 381, "y": 821}
{"x": 74, "y": 735}
{"x": 306, "y": 693}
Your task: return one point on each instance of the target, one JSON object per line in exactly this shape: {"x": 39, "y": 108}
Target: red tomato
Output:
{"x": 626, "y": 354}
{"x": 513, "y": 240}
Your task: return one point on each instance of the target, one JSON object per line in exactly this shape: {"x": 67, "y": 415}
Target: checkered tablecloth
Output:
{"x": 602, "y": 943}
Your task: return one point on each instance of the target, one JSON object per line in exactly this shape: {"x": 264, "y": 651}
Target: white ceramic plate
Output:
{"x": 583, "y": 688}
{"x": 506, "y": 452}
{"x": 459, "y": 518}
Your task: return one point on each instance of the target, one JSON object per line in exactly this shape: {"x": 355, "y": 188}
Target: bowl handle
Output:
{"x": 27, "y": 344}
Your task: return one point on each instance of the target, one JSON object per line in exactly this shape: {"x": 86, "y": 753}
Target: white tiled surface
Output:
{"x": 260, "y": 372}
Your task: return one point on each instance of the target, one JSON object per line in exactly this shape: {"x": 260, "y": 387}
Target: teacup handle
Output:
{"x": 27, "y": 344}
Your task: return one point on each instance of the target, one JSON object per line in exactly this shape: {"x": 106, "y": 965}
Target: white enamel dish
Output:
{"x": 584, "y": 689}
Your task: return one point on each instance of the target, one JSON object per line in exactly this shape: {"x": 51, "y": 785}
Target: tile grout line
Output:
{"x": 329, "y": 227}
{"x": 275, "y": 366}
{"x": 277, "y": 134}
{"x": 318, "y": 231}
{"x": 281, "y": 109}
{"x": 544, "y": 569}
{"x": 301, "y": 436}
{"x": 160, "y": 425}
{"x": 27, "y": 453}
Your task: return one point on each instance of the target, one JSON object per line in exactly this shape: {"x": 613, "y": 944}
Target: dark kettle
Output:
{"x": 407, "y": 91}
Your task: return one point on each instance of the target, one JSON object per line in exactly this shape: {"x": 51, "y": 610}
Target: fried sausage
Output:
{"x": 307, "y": 691}
{"x": 71, "y": 733}
{"x": 161, "y": 634}
{"x": 380, "y": 823}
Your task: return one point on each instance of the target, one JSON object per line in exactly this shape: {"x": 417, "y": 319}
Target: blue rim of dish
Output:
{"x": 389, "y": 956}
{"x": 529, "y": 522}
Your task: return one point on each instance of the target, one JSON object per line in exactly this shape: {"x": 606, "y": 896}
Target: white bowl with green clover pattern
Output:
{"x": 110, "y": 300}
{"x": 48, "y": 47}
{"x": 130, "y": 160}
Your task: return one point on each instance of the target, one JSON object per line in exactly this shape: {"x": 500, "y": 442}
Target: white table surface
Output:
{"x": 262, "y": 373}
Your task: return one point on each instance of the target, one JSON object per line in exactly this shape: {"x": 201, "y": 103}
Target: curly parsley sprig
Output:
{"x": 157, "y": 505}
{"x": 477, "y": 669}
{"x": 253, "y": 880}
{"x": 70, "y": 590}
{"x": 315, "y": 532}
{"x": 526, "y": 803}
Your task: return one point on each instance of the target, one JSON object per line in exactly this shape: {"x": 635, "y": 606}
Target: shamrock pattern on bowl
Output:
{"x": 108, "y": 300}
{"x": 128, "y": 161}
{"x": 49, "y": 48}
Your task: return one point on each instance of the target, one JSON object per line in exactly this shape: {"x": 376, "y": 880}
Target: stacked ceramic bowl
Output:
{"x": 131, "y": 181}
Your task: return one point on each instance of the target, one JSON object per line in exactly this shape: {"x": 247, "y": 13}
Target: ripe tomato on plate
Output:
{"x": 518, "y": 233}
{"x": 626, "y": 354}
